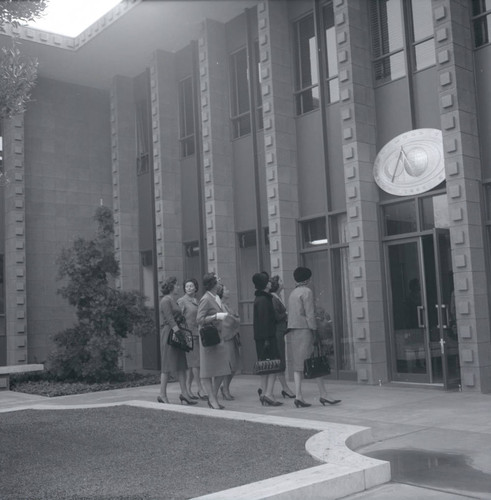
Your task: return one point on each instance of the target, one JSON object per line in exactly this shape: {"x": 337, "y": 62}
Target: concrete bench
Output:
{"x": 6, "y": 371}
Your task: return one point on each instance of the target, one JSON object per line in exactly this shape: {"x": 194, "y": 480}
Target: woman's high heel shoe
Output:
{"x": 286, "y": 395}
{"x": 182, "y": 399}
{"x": 220, "y": 407}
{"x": 269, "y": 402}
{"x": 301, "y": 404}
{"x": 192, "y": 396}
{"x": 323, "y": 401}
{"x": 161, "y": 400}
{"x": 228, "y": 397}
{"x": 203, "y": 397}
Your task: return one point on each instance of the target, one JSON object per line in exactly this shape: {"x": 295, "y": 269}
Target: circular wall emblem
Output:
{"x": 411, "y": 163}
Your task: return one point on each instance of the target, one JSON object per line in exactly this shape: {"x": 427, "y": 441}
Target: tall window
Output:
{"x": 422, "y": 37}
{"x": 387, "y": 24}
{"x": 389, "y": 37}
{"x": 241, "y": 116}
{"x": 142, "y": 137}
{"x": 306, "y": 70}
{"x": 186, "y": 117}
{"x": 481, "y": 21}
{"x": 326, "y": 253}
{"x": 332, "y": 81}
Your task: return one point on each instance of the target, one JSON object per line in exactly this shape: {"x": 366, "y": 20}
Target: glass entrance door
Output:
{"x": 424, "y": 344}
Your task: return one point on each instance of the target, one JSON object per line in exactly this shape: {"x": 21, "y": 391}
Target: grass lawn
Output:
{"x": 133, "y": 453}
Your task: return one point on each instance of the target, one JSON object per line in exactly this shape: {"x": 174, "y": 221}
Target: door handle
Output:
{"x": 437, "y": 307}
{"x": 445, "y": 317}
{"x": 419, "y": 312}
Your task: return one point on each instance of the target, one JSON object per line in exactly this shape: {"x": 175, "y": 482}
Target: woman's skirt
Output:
{"x": 213, "y": 361}
{"x": 192, "y": 357}
{"x": 233, "y": 353}
{"x": 266, "y": 349}
{"x": 302, "y": 341}
{"x": 172, "y": 359}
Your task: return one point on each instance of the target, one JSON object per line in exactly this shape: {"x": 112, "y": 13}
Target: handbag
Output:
{"x": 209, "y": 335}
{"x": 317, "y": 365}
{"x": 267, "y": 366}
{"x": 182, "y": 339}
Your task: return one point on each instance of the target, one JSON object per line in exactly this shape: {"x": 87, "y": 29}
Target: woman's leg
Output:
{"x": 284, "y": 384}
{"x": 164, "y": 378}
{"x": 198, "y": 380}
{"x": 270, "y": 380}
{"x": 226, "y": 386}
{"x": 212, "y": 398}
{"x": 297, "y": 377}
{"x": 189, "y": 380}
{"x": 217, "y": 381}
{"x": 181, "y": 377}
{"x": 322, "y": 387}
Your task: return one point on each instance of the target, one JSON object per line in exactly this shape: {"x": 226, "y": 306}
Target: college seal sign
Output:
{"x": 411, "y": 163}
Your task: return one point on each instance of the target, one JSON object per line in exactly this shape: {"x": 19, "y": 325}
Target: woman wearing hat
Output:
{"x": 302, "y": 329}
{"x": 264, "y": 325}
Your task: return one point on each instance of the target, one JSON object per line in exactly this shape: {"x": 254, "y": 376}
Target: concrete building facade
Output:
{"x": 349, "y": 136}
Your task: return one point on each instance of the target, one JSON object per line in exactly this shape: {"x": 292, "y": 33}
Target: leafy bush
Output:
{"x": 90, "y": 351}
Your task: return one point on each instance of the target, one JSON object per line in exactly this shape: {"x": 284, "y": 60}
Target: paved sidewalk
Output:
{"x": 439, "y": 443}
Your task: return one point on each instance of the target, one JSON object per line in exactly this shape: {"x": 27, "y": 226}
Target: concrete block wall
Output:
{"x": 279, "y": 138}
{"x": 67, "y": 168}
{"x": 125, "y": 200}
{"x": 167, "y": 173}
{"x": 357, "y": 111}
{"x": 217, "y": 153}
{"x": 458, "y": 111}
{"x": 15, "y": 242}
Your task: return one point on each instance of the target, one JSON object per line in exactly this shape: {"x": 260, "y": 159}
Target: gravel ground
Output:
{"x": 132, "y": 453}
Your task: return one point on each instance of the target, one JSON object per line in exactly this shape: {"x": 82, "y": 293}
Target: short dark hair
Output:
{"x": 275, "y": 283}
{"x": 169, "y": 285}
{"x": 209, "y": 281}
{"x": 194, "y": 281}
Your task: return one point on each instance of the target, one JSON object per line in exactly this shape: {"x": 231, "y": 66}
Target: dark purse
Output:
{"x": 182, "y": 339}
{"x": 317, "y": 365}
{"x": 267, "y": 366}
{"x": 209, "y": 335}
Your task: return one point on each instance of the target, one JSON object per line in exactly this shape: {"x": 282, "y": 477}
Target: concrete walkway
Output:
{"x": 438, "y": 443}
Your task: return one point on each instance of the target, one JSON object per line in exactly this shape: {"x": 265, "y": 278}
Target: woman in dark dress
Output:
{"x": 281, "y": 329}
{"x": 264, "y": 324}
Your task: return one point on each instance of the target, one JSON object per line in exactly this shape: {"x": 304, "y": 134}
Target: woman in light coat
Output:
{"x": 302, "y": 328}
{"x": 214, "y": 363}
{"x": 189, "y": 307}
{"x": 173, "y": 360}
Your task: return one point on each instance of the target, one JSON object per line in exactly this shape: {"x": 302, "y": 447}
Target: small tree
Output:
{"x": 90, "y": 350}
{"x": 17, "y": 73}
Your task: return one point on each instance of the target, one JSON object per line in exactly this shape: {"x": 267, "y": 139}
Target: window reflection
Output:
{"x": 400, "y": 218}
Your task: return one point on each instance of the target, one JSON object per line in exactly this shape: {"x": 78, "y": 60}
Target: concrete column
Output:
{"x": 357, "y": 110}
{"x": 15, "y": 242}
{"x": 458, "y": 109}
{"x": 279, "y": 137}
{"x": 217, "y": 153}
{"x": 167, "y": 173}
{"x": 125, "y": 200}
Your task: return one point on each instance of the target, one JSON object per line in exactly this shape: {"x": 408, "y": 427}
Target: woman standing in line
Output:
{"x": 264, "y": 324}
{"x": 173, "y": 360}
{"x": 214, "y": 363}
{"x": 281, "y": 329}
{"x": 302, "y": 329}
{"x": 231, "y": 339}
{"x": 189, "y": 307}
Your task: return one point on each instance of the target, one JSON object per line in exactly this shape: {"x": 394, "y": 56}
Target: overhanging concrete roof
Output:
{"x": 122, "y": 41}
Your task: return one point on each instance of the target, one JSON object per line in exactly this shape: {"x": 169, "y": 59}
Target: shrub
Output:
{"x": 91, "y": 349}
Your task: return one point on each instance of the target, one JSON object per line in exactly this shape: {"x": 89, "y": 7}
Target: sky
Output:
{"x": 71, "y": 17}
